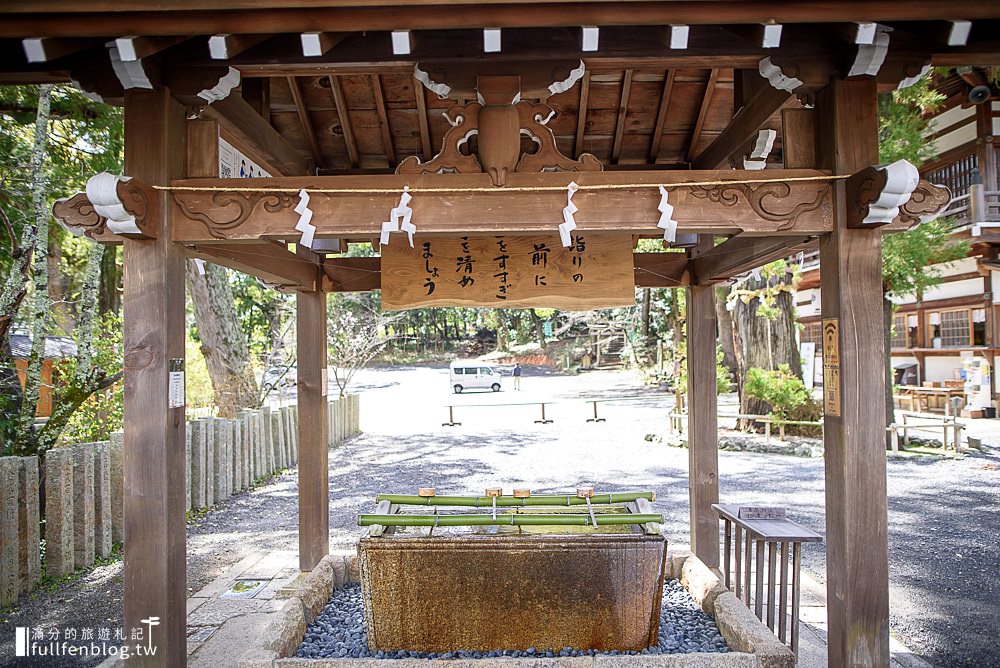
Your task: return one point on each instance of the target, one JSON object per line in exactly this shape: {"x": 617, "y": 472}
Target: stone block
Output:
{"x": 10, "y": 587}
{"x": 27, "y": 524}
{"x": 59, "y": 549}
{"x": 745, "y": 633}
{"x": 187, "y": 467}
{"x": 517, "y": 662}
{"x": 703, "y": 585}
{"x": 102, "y": 499}
{"x": 692, "y": 660}
{"x": 285, "y": 633}
{"x": 277, "y": 440}
{"x": 338, "y": 571}
{"x": 353, "y": 569}
{"x": 196, "y": 462}
{"x": 236, "y": 463}
{"x": 267, "y": 447}
{"x": 209, "y": 427}
{"x": 117, "y": 473}
{"x": 83, "y": 505}
{"x": 246, "y": 449}
{"x": 316, "y": 588}
{"x": 220, "y": 433}
{"x": 286, "y": 433}
{"x": 257, "y": 658}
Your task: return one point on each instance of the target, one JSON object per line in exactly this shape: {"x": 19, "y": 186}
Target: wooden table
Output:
{"x": 922, "y": 395}
{"x": 748, "y": 536}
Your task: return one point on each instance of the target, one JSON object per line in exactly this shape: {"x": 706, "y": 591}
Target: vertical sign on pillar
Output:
{"x": 831, "y": 367}
{"x": 176, "y": 395}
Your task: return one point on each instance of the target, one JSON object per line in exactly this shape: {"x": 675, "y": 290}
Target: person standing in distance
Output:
{"x": 517, "y": 376}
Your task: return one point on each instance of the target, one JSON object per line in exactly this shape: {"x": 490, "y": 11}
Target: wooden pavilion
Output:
{"x": 738, "y": 132}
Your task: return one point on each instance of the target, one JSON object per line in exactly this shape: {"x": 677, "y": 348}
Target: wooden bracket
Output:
{"x": 892, "y": 195}
{"x": 113, "y": 208}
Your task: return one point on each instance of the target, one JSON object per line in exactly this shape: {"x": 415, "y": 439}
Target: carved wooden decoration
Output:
{"x": 875, "y": 195}
{"x": 499, "y": 119}
{"x": 113, "y": 208}
{"x": 509, "y": 272}
{"x": 926, "y": 202}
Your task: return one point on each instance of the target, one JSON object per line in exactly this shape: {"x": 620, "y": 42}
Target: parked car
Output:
{"x": 474, "y": 375}
{"x": 277, "y": 377}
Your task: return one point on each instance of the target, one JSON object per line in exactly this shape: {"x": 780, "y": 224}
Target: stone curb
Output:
{"x": 703, "y": 585}
{"x": 745, "y": 633}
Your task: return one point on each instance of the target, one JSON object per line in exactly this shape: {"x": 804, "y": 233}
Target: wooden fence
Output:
{"x": 83, "y": 488}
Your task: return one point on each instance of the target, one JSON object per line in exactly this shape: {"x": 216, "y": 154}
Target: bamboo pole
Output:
{"x": 538, "y": 500}
{"x": 508, "y": 519}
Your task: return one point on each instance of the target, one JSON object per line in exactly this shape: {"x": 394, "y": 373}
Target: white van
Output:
{"x": 474, "y": 375}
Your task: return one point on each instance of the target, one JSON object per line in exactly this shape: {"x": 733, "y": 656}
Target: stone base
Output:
{"x": 752, "y": 644}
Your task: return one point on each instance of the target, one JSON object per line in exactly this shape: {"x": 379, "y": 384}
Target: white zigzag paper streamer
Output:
{"x": 198, "y": 262}
{"x": 667, "y": 222}
{"x": 305, "y": 225}
{"x": 399, "y": 218}
{"x": 568, "y": 224}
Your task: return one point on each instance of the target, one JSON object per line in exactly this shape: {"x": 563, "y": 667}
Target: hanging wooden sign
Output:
{"x": 508, "y": 272}
{"x": 831, "y": 367}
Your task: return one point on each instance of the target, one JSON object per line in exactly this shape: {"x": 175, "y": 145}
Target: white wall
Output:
{"x": 941, "y": 368}
{"x": 807, "y": 303}
{"x": 959, "y": 137}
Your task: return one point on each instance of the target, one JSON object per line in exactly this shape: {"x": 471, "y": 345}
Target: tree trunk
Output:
{"x": 890, "y": 404}
{"x": 223, "y": 342}
{"x": 24, "y": 440}
{"x": 109, "y": 297}
{"x": 646, "y": 299}
{"x": 764, "y": 343}
{"x": 536, "y": 321}
{"x": 726, "y": 333}
{"x": 61, "y": 311}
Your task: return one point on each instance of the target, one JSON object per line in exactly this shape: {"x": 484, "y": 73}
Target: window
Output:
{"x": 904, "y": 330}
{"x": 470, "y": 372}
{"x": 959, "y": 328}
{"x": 459, "y": 371}
{"x": 812, "y": 332}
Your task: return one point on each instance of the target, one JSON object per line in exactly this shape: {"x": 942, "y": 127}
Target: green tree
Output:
{"x": 910, "y": 260}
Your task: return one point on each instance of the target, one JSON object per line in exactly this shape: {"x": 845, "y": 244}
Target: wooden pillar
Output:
{"x": 154, "y": 448}
{"x": 854, "y": 424}
{"x": 314, "y": 481}
{"x": 703, "y": 420}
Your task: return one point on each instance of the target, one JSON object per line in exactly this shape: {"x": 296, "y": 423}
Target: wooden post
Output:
{"x": 314, "y": 474}
{"x": 854, "y": 429}
{"x": 154, "y": 449}
{"x": 703, "y": 419}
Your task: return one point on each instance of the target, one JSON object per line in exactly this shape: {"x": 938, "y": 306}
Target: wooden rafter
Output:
{"x": 267, "y": 260}
{"x": 383, "y": 120}
{"x": 581, "y": 120}
{"x": 137, "y": 48}
{"x": 741, "y": 254}
{"x": 661, "y": 114}
{"x": 238, "y": 117}
{"x": 227, "y": 46}
{"x": 622, "y": 111}
{"x": 744, "y": 124}
{"x": 425, "y": 133}
{"x": 343, "y": 111}
{"x": 307, "y": 126}
{"x": 706, "y": 101}
{"x": 45, "y": 49}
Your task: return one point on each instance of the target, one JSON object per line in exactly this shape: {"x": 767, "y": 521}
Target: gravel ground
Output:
{"x": 339, "y": 632}
{"x": 943, "y": 516}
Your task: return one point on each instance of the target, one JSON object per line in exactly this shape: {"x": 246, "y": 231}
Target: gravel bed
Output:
{"x": 339, "y": 632}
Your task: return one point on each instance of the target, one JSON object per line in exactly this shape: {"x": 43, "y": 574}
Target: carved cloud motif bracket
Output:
{"x": 762, "y": 198}
{"x": 880, "y": 195}
{"x": 112, "y": 209}
{"x": 499, "y": 119}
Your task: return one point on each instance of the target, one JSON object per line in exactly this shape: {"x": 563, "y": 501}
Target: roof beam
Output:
{"x": 661, "y": 114}
{"x": 238, "y": 117}
{"x": 616, "y": 149}
{"x": 660, "y": 270}
{"x": 307, "y": 126}
{"x": 345, "y": 120}
{"x": 706, "y": 102}
{"x": 741, "y": 254}
{"x": 269, "y": 261}
{"x": 745, "y": 123}
{"x": 581, "y": 117}
{"x": 383, "y": 120}
{"x": 137, "y": 48}
{"x": 45, "y": 49}
{"x": 226, "y": 46}
{"x": 315, "y": 44}
{"x": 790, "y": 207}
{"x": 425, "y": 133}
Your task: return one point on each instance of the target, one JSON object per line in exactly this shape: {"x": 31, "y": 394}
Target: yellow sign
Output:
{"x": 509, "y": 272}
{"x": 831, "y": 367}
